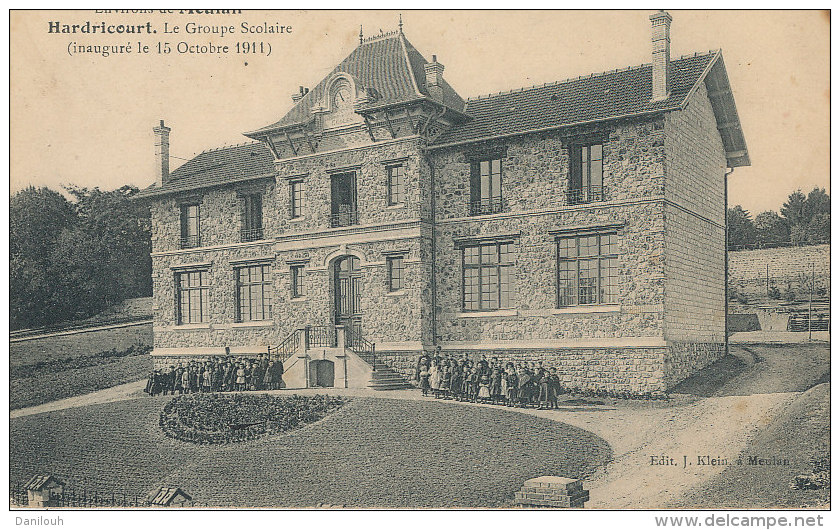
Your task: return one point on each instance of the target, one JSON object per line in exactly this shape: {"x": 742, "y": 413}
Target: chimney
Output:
{"x": 299, "y": 94}
{"x": 434, "y": 78}
{"x": 661, "y": 39}
{"x": 161, "y": 153}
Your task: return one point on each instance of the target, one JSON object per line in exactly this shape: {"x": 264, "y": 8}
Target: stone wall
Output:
{"x": 633, "y": 370}
{"x": 748, "y": 269}
{"x": 535, "y": 169}
{"x": 534, "y": 181}
{"x": 686, "y": 358}
{"x": 219, "y": 215}
{"x": 694, "y": 232}
{"x": 695, "y": 161}
{"x": 369, "y": 164}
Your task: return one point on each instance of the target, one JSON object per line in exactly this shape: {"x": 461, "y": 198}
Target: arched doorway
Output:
{"x": 347, "y": 278}
{"x": 322, "y": 373}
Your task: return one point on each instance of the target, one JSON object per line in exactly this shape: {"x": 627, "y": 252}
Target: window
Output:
{"x": 487, "y": 276}
{"x": 396, "y": 184}
{"x": 251, "y": 217}
{"x": 586, "y": 183}
{"x": 343, "y": 211}
{"x": 396, "y": 273}
{"x": 587, "y": 270}
{"x": 253, "y": 286}
{"x": 486, "y": 187}
{"x": 193, "y": 297}
{"x": 298, "y": 281}
{"x": 297, "y": 198}
{"x": 189, "y": 226}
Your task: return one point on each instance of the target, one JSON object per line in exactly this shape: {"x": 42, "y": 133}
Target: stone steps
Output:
{"x": 385, "y": 378}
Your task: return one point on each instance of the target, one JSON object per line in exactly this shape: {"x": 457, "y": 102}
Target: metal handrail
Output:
{"x": 287, "y": 348}
{"x": 585, "y": 195}
{"x": 361, "y": 346}
{"x": 346, "y": 218}
{"x": 253, "y": 234}
{"x": 319, "y": 336}
{"x": 190, "y": 241}
{"x": 488, "y": 206}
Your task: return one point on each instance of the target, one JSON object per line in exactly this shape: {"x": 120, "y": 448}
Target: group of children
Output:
{"x": 219, "y": 374}
{"x": 484, "y": 381}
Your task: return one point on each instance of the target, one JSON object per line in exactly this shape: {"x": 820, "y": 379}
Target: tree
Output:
{"x": 37, "y": 216}
{"x": 818, "y": 202}
{"x": 793, "y": 210}
{"x": 771, "y": 228}
{"x": 740, "y": 226}
{"x": 124, "y": 230}
{"x": 819, "y": 228}
{"x": 71, "y": 260}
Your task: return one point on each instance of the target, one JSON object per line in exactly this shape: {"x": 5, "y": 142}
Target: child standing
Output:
{"x": 484, "y": 388}
{"x": 434, "y": 379}
{"x": 424, "y": 379}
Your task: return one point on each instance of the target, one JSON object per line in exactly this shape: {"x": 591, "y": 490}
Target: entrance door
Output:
{"x": 322, "y": 373}
{"x": 348, "y": 294}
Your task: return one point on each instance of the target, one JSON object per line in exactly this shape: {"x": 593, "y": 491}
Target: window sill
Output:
{"x": 298, "y": 299}
{"x": 191, "y": 327}
{"x": 298, "y": 219}
{"x": 398, "y": 292}
{"x": 395, "y": 206}
{"x": 488, "y": 314}
{"x": 253, "y": 324}
{"x": 582, "y": 309}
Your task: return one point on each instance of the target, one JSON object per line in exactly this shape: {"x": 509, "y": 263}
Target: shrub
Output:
{"x": 226, "y": 418}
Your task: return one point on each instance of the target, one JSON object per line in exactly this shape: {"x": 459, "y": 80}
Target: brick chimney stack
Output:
{"x": 162, "y": 153}
{"x": 297, "y": 96}
{"x": 661, "y": 39}
{"x": 434, "y": 79}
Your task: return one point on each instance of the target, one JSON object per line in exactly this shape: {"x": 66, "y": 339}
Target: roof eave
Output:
{"x": 722, "y": 99}
{"x": 556, "y": 127}
{"x": 161, "y": 192}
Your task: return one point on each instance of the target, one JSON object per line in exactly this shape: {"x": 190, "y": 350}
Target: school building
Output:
{"x": 579, "y": 223}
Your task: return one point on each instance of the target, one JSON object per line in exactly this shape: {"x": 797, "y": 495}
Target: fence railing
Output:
{"x": 360, "y": 346}
{"x": 488, "y": 206}
{"x": 346, "y": 218}
{"x": 287, "y": 348}
{"x": 190, "y": 241}
{"x": 585, "y": 195}
{"x": 72, "y": 498}
{"x": 252, "y": 234}
{"x": 778, "y": 244}
{"x": 816, "y": 322}
{"x": 319, "y": 337}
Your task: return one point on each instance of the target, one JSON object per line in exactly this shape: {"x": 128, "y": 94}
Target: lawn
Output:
{"x": 370, "y": 453}
{"x": 45, "y": 384}
{"x": 801, "y": 434}
{"x": 79, "y": 344}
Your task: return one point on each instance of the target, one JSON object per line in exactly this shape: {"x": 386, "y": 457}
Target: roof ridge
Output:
{"x": 382, "y": 35}
{"x": 578, "y": 78}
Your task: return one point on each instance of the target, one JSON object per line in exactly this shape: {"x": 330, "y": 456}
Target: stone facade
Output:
{"x": 662, "y": 199}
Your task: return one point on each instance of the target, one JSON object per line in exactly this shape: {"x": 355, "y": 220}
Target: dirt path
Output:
{"x": 717, "y": 427}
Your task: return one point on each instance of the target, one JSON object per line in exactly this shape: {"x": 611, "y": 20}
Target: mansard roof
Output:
{"x": 600, "y": 97}
{"x": 389, "y": 64}
{"x": 218, "y": 167}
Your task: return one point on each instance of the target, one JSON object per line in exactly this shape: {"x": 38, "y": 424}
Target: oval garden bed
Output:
{"x": 225, "y": 418}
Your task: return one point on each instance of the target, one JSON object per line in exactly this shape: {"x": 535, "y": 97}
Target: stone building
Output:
{"x": 579, "y": 223}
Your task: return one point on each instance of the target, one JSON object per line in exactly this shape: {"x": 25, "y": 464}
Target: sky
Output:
{"x": 87, "y": 120}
